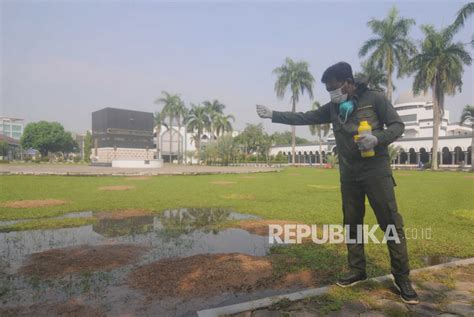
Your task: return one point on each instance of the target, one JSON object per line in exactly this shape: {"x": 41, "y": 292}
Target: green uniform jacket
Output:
{"x": 371, "y": 106}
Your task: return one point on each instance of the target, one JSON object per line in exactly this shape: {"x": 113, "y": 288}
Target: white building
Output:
{"x": 11, "y": 127}
{"x": 182, "y": 142}
{"x": 454, "y": 143}
{"x": 11, "y": 130}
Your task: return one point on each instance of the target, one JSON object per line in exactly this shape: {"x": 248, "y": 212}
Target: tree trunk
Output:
{"x": 293, "y": 133}
{"x": 320, "y": 147}
{"x": 158, "y": 132}
{"x": 198, "y": 148}
{"x": 389, "y": 88}
{"x": 472, "y": 147}
{"x": 171, "y": 136}
{"x": 436, "y": 123}
{"x": 389, "y": 77}
{"x": 179, "y": 141}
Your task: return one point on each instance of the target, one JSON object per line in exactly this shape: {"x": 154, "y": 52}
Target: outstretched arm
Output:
{"x": 389, "y": 116}
{"x": 318, "y": 116}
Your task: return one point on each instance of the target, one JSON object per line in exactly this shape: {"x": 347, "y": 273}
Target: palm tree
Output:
{"x": 159, "y": 121}
{"x": 181, "y": 113}
{"x": 438, "y": 67}
{"x": 296, "y": 77}
{"x": 373, "y": 76}
{"x": 333, "y": 160}
{"x": 461, "y": 17}
{"x": 321, "y": 130}
{"x": 190, "y": 154}
{"x": 197, "y": 121}
{"x": 391, "y": 46}
{"x": 222, "y": 124}
{"x": 170, "y": 103}
{"x": 393, "y": 152}
{"x": 468, "y": 115}
{"x": 214, "y": 109}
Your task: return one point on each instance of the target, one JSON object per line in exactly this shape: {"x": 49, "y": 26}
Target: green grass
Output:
{"x": 49, "y": 224}
{"x": 442, "y": 201}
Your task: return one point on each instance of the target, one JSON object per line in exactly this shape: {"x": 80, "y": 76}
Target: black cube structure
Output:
{"x": 120, "y": 134}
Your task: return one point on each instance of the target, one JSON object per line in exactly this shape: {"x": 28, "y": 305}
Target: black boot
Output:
{"x": 351, "y": 279}
{"x": 407, "y": 293}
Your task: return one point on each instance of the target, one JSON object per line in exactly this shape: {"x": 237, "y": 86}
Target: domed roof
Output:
{"x": 408, "y": 97}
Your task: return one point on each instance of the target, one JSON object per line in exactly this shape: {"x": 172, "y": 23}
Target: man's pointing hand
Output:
{"x": 264, "y": 112}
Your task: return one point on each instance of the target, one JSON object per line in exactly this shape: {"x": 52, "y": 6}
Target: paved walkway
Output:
{"x": 445, "y": 292}
{"x": 167, "y": 169}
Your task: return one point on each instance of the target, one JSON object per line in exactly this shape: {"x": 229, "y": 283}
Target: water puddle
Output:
{"x": 437, "y": 259}
{"x": 171, "y": 234}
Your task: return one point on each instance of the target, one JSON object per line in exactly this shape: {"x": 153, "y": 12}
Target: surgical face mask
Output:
{"x": 345, "y": 110}
{"x": 337, "y": 96}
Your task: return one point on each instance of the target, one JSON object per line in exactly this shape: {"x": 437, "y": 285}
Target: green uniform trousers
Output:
{"x": 381, "y": 196}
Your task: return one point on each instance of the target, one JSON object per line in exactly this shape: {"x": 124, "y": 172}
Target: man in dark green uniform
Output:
{"x": 350, "y": 104}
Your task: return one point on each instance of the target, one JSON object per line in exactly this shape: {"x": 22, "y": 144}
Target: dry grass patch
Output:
{"x": 202, "y": 275}
{"x": 123, "y": 214}
{"x": 304, "y": 278}
{"x": 239, "y": 197}
{"x": 222, "y": 182}
{"x": 260, "y": 227}
{"x": 116, "y": 188}
{"x": 248, "y": 177}
{"x": 37, "y": 203}
{"x": 332, "y": 187}
{"x": 86, "y": 258}
{"x": 211, "y": 274}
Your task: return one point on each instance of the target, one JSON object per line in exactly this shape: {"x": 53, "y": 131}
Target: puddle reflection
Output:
{"x": 173, "y": 233}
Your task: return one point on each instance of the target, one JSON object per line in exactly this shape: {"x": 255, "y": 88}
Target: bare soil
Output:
{"x": 123, "y": 214}
{"x": 207, "y": 275}
{"x": 33, "y": 203}
{"x": 86, "y": 258}
{"x": 118, "y": 187}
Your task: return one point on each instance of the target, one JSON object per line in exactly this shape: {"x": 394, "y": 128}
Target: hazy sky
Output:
{"x": 62, "y": 60}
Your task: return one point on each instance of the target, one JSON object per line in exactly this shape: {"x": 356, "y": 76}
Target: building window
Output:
{"x": 409, "y": 118}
